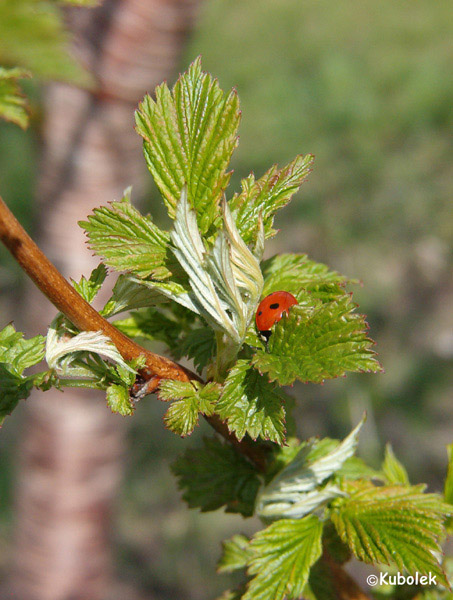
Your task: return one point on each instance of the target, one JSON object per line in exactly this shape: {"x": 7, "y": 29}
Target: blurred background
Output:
{"x": 367, "y": 88}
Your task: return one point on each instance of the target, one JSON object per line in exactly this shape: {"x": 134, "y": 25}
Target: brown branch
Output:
{"x": 68, "y": 301}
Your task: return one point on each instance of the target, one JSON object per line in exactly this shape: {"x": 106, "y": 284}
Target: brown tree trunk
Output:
{"x": 71, "y": 451}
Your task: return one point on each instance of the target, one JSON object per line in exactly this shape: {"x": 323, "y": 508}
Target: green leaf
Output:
{"x": 128, "y": 241}
{"x": 189, "y": 135}
{"x": 235, "y": 554}
{"x": 188, "y": 400}
{"x": 296, "y": 274}
{"x": 18, "y": 352}
{"x": 32, "y": 35}
{"x": 392, "y": 469}
{"x": 282, "y": 556}
{"x": 119, "y": 401}
{"x": 199, "y": 345}
{"x": 251, "y": 404}
{"x": 151, "y": 324}
{"x": 295, "y": 490}
{"x": 355, "y": 468}
{"x": 129, "y": 294}
{"x": 266, "y": 195}
{"x": 317, "y": 343}
{"x": 393, "y": 524}
{"x": 16, "y": 355}
{"x": 13, "y": 106}
{"x": 89, "y": 288}
{"x": 89, "y": 3}
{"x": 216, "y": 475}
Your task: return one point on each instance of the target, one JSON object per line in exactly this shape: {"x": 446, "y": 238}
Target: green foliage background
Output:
{"x": 367, "y": 88}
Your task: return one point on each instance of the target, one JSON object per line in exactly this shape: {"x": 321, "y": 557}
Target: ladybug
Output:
{"x": 270, "y": 310}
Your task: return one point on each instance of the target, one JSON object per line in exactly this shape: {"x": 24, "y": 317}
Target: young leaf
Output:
{"x": 393, "y": 524}
{"x": 296, "y": 274}
{"x": 392, "y": 469}
{"x": 235, "y": 554}
{"x": 151, "y": 324}
{"x": 88, "y": 288}
{"x": 13, "y": 106}
{"x": 217, "y": 475}
{"x": 317, "y": 344}
{"x": 128, "y": 241}
{"x": 119, "y": 401}
{"x": 130, "y": 293}
{"x": 251, "y": 404}
{"x": 294, "y": 491}
{"x": 198, "y": 345}
{"x": 16, "y": 355}
{"x": 265, "y": 196}
{"x": 282, "y": 556}
{"x": 188, "y": 400}
{"x": 189, "y": 135}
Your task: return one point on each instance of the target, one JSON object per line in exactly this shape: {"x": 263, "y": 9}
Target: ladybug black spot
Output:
{"x": 260, "y": 313}
{"x": 274, "y": 306}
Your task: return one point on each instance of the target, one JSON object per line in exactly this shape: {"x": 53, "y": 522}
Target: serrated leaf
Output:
{"x": 282, "y": 556}
{"x": 216, "y": 475}
{"x": 297, "y": 274}
{"x": 295, "y": 491}
{"x": 88, "y": 288}
{"x": 266, "y": 195}
{"x": 189, "y": 135}
{"x": 119, "y": 401}
{"x": 128, "y": 241}
{"x": 199, "y": 345}
{"x": 235, "y": 554}
{"x": 355, "y": 468}
{"x": 130, "y": 293}
{"x": 18, "y": 352}
{"x": 318, "y": 343}
{"x": 13, "y": 388}
{"x": 393, "y": 524}
{"x": 32, "y": 35}
{"x": 151, "y": 324}
{"x": 392, "y": 469}
{"x": 251, "y": 404}
{"x": 189, "y": 399}
{"x": 13, "y": 105}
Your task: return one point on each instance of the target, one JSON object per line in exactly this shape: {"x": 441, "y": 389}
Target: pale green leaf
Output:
{"x": 119, "y": 401}
{"x": 13, "y": 105}
{"x": 89, "y": 288}
{"x": 18, "y": 352}
{"x": 251, "y": 404}
{"x": 393, "y": 524}
{"x": 392, "y": 469}
{"x": 217, "y": 475}
{"x": 128, "y": 241}
{"x": 297, "y": 274}
{"x": 235, "y": 554}
{"x": 317, "y": 343}
{"x": 282, "y": 556}
{"x": 189, "y": 399}
{"x": 189, "y": 135}
{"x": 262, "y": 198}
{"x": 295, "y": 490}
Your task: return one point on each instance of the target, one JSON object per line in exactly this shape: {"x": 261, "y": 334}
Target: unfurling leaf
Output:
{"x": 118, "y": 400}
{"x": 13, "y": 105}
{"x": 189, "y": 136}
{"x": 281, "y": 558}
{"x": 295, "y": 491}
{"x": 317, "y": 342}
{"x": 89, "y": 288}
{"x": 189, "y": 399}
{"x": 262, "y": 198}
{"x": 235, "y": 554}
{"x": 392, "y": 469}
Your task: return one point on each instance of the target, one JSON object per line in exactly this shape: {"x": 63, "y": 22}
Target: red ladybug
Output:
{"x": 270, "y": 310}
